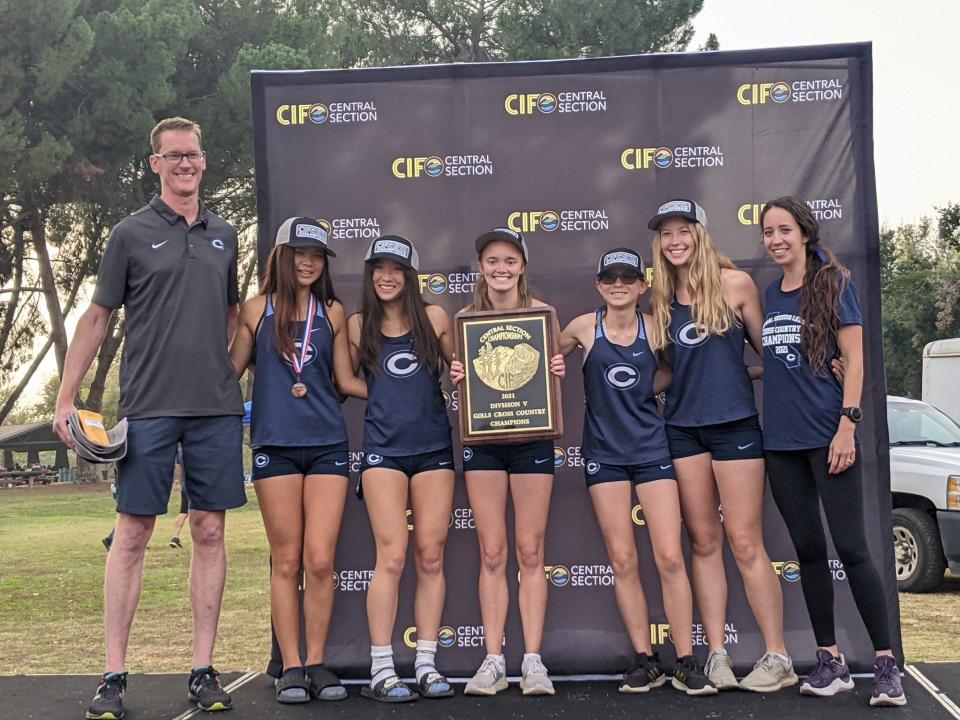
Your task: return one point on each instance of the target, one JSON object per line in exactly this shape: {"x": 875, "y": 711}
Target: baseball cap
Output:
{"x": 396, "y": 248}
{"x": 505, "y": 235}
{"x": 679, "y": 208}
{"x": 621, "y": 258}
{"x": 303, "y": 232}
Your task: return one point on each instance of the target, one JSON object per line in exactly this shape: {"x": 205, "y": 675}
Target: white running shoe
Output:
{"x": 490, "y": 679}
{"x": 720, "y": 670}
{"x": 534, "y": 679}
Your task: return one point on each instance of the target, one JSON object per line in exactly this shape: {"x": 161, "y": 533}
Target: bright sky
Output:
{"x": 916, "y": 140}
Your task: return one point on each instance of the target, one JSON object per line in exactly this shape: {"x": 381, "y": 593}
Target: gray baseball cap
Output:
{"x": 504, "y": 235}
{"x": 396, "y": 248}
{"x": 304, "y": 232}
{"x": 678, "y": 208}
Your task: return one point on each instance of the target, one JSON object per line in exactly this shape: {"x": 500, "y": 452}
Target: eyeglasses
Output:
{"x": 174, "y": 158}
{"x": 628, "y": 278}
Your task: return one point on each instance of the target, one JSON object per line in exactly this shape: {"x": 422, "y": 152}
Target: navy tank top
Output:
{"x": 278, "y": 418}
{"x": 622, "y": 425}
{"x": 710, "y": 381}
{"x": 406, "y": 414}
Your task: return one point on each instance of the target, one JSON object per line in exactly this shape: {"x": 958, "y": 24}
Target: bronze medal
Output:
{"x": 298, "y": 390}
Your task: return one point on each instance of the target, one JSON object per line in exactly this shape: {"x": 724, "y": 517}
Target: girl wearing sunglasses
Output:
{"x": 625, "y": 451}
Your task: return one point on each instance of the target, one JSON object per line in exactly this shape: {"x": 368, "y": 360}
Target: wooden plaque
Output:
{"x": 508, "y": 393}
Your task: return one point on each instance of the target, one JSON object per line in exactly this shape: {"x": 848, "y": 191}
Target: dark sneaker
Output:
{"x": 646, "y": 675}
{"x": 175, "y": 542}
{"x": 690, "y": 679}
{"x": 206, "y": 692}
{"x": 108, "y": 702}
{"x": 887, "y": 689}
{"x": 830, "y": 677}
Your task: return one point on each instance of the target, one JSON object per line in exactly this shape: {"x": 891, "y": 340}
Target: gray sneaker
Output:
{"x": 534, "y": 680}
{"x": 720, "y": 671}
{"x": 771, "y": 673}
{"x": 489, "y": 680}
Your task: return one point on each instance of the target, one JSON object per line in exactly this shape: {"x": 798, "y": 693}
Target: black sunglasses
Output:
{"x": 627, "y": 278}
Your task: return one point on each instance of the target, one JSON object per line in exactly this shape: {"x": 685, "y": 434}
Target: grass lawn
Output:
{"x": 51, "y": 578}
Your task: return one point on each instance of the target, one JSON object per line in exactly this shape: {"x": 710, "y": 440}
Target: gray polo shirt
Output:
{"x": 176, "y": 284}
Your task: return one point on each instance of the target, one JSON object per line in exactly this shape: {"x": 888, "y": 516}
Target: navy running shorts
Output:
{"x": 410, "y": 465}
{"x": 274, "y": 460}
{"x": 212, "y": 464}
{"x": 597, "y": 472}
{"x": 736, "y": 440}
{"x": 516, "y": 459}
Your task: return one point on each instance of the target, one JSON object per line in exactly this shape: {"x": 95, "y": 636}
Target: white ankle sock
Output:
{"x": 381, "y": 663}
{"x": 426, "y": 658}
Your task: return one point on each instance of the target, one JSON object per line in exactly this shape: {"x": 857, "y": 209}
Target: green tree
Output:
{"x": 919, "y": 286}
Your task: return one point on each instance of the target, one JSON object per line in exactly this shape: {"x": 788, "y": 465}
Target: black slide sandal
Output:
{"x": 379, "y": 691}
{"x": 321, "y": 679}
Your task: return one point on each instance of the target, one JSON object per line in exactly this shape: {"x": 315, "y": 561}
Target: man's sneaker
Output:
{"x": 490, "y": 679}
{"x": 175, "y": 542}
{"x": 108, "y": 702}
{"x": 830, "y": 676}
{"x": 720, "y": 670}
{"x": 534, "y": 679}
{"x": 689, "y": 679}
{"x": 771, "y": 673}
{"x": 206, "y": 692}
{"x": 887, "y": 689}
{"x": 646, "y": 675}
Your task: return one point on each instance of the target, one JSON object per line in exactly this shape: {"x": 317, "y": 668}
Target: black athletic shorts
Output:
{"x": 736, "y": 440}
{"x": 517, "y": 459}
{"x": 273, "y": 460}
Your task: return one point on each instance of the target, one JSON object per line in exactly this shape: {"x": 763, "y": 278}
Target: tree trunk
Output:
{"x": 10, "y": 311}
{"x": 58, "y": 330}
{"x": 116, "y": 330}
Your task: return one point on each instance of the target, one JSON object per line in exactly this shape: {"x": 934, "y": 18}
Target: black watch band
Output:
{"x": 854, "y": 413}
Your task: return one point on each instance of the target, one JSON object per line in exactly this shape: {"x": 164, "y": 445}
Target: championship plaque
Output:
{"x": 508, "y": 393}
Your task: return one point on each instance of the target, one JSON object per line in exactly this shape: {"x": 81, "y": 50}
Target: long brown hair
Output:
{"x": 824, "y": 280}
{"x": 412, "y": 306}
{"x": 280, "y": 281}
{"x": 710, "y": 311}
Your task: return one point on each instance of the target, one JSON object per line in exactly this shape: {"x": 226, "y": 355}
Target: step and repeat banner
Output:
{"x": 577, "y": 155}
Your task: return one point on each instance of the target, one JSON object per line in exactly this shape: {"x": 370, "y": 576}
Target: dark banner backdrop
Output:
{"x": 577, "y": 155}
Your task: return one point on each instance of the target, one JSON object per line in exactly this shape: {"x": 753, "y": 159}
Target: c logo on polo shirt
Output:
{"x": 401, "y": 364}
{"x": 621, "y": 376}
{"x": 218, "y": 244}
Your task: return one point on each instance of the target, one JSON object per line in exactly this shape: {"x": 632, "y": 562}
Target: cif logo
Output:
{"x": 261, "y": 460}
{"x": 336, "y": 580}
{"x": 317, "y": 113}
{"x": 413, "y": 167}
{"x": 446, "y": 637}
{"x": 637, "y": 515}
{"x": 788, "y": 570}
{"x": 622, "y": 376}
{"x": 759, "y": 93}
{"x": 435, "y": 283}
{"x": 528, "y": 103}
{"x": 559, "y": 456}
{"x": 689, "y": 336}
{"x": 646, "y": 158}
{"x": 401, "y": 364}
{"x": 558, "y": 575}
{"x": 660, "y": 633}
{"x": 530, "y": 221}
{"x": 749, "y": 213}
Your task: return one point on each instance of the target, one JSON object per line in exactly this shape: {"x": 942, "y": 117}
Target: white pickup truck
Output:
{"x": 925, "y": 485}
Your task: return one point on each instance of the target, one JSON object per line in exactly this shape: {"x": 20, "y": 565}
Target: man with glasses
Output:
{"x": 172, "y": 266}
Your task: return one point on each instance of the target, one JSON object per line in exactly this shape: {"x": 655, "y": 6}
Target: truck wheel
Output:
{"x": 917, "y": 551}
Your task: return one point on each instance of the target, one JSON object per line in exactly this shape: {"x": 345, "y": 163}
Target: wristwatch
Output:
{"x": 854, "y": 413}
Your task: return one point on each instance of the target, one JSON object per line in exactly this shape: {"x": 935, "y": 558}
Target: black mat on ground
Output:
{"x": 163, "y": 697}
{"x": 945, "y": 675}
{"x": 66, "y": 697}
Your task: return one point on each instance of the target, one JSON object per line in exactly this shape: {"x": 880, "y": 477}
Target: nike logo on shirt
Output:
{"x": 639, "y": 353}
{"x": 744, "y": 447}
{"x": 156, "y": 245}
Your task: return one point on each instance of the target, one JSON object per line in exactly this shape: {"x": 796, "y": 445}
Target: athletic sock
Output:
{"x": 426, "y": 658}
{"x": 529, "y": 658}
{"x": 381, "y": 663}
{"x": 499, "y": 660}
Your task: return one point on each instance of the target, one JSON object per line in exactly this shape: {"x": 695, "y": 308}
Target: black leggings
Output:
{"x": 799, "y": 481}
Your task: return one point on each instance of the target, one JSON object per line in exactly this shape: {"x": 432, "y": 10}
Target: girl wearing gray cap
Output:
{"x": 294, "y": 334}
{"x": 401, "y": 344}
{"x": 525, "y": 470}
{"x": 703, "y": 309}
{"x": 625, "y": 451}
